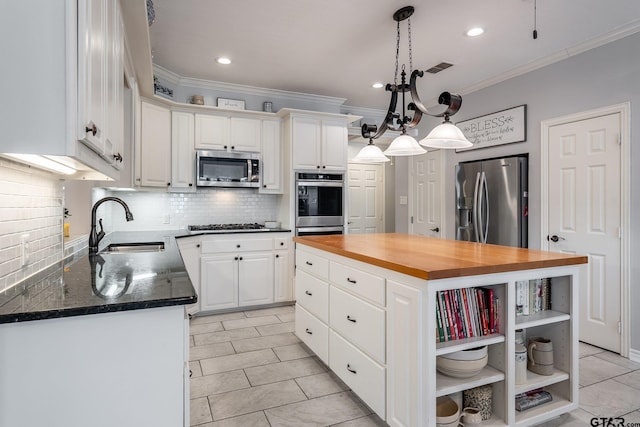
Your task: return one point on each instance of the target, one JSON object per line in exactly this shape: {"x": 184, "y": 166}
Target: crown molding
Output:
{"x": 179, "y": 80}
{"x": 617, "y": 34}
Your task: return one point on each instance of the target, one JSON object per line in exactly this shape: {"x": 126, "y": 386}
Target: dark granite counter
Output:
{"x": 107, "y": 282}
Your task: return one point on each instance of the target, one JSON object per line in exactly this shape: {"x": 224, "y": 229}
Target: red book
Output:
{"x": 456, "y": 311}
{"x": 468, "y": 317}
{"x": 452, "y": 325}
{"x": 483, "y": 314}
{"x": 463, "y": 317}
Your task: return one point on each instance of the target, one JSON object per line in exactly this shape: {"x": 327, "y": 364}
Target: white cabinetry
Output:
{"x": 154, "y": 146}
{"x": 243, "y": 271}
{"x": 223, "y": 132}
{"x": 66, "y": 77}
{"x": 319, "y": 143}
{"x": 271, "y": 166}
{"x": 381, "y": 337}
{"x": 182, "y": 150}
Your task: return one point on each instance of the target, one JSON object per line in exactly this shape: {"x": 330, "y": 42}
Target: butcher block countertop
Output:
{"x": 432, "y": 258}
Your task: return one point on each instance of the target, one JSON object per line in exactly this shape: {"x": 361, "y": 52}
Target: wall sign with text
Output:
{"x": 502, "y": 127}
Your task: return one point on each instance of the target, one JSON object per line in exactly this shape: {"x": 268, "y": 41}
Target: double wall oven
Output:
{"x": 319, "y": 203}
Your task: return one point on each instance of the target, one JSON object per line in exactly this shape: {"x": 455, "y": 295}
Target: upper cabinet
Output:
{"x": 318, "y": 140}
{"x": 182, "y": 150}
{"x": 222, "y": 132}
{"x": 64, "y": 62}
{"x": 271, "y": 167}
{"x": 100, "y": 78}
{"x": 154, "y": 165}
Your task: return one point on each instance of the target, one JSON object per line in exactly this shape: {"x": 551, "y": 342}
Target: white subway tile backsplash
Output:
{"x": 30, "y": 203}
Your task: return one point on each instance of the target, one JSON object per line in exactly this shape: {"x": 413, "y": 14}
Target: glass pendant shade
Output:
{"x": 404, "y": 145}
{"x": 370, "y": 154}
{"x": 446, "y": 135}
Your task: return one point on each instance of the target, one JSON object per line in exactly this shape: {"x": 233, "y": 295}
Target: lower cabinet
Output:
{"x": 313, "y": 332}
{"x": 240, "y": 271}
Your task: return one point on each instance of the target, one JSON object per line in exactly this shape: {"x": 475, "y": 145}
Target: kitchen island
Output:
{"x": 366, "y": 305}
{"x": 99, "y": 339}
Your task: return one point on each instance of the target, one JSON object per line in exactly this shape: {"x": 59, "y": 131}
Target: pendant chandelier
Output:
{"x": 446, "y": 135}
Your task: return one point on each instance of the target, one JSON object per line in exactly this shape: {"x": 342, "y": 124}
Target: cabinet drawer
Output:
{"x": 236, "y": 245}
{"x": 361, "y": 323}
{"x": 313, "y": 333}
{"x": 313, "y": 294}
{"x": 281, "y": 242}
{"x": 364, "y": 284}
{"x": 312, "y": 263}
{"x": 364, "y": 376}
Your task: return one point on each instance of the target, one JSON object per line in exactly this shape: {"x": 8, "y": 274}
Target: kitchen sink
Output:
{"x": 134, "y": 247}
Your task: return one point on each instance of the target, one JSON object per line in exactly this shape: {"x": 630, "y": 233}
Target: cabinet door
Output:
{"x": 255, "y": 278}
{"x": 155, "y": 146}
{"x": 245, "y": 134}
{"x": 334, "y": 145}
{"x": 218, "y": 282}
{"x": 306, "y": 138}
{"x": 212, "y": 132}
{"x": 91, "y": 73}
{"x": 114, "y": 138}
{"x": 271, "y": 167}
{"x": 282, "y": 280}
{"x": 182, "y": 150}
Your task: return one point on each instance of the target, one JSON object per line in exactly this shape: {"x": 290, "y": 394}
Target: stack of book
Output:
{"x": 533, "y": 296}
{"x": 466, "y": 313}
{"x": 532, "y": 398}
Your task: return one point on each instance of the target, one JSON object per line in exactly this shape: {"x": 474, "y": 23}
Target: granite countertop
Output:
{"x": 433, "y": 258}
{"x": 89, "y": 284}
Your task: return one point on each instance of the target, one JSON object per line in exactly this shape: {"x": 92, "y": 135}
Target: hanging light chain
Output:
{"x": 410, "y": 49}
{"x": 395, "y": 75}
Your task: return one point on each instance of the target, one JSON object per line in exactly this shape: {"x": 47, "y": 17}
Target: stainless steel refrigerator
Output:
{"x": 491, "y": 201}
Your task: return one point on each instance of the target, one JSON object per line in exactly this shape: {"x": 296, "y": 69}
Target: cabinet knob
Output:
{"x": 225, "y": 147}
{"x": 318, "y": 166}
{"x": 117, "y": 157}
{"x": 91, "y": 127}
{"x": 351, "y": 319}
{"x": 240, "y": 258}
{"x": 236, "y": 258}
{"x": 233, "y": 147}
{"x": 198, "y": 245}
{"x": 277, "y": 256}
{"x": 308, "y": 293}
{"x": 323, "y": 166}
{"x": 237, "y": 246}
{"x": 190, "y": 184}
{"x": 168, "y": 184}
{"x": 308, "y": 331}
{"x": 353, "y": 371}
{"x": 281, "y": 243}
{"x": 264, "y": 186}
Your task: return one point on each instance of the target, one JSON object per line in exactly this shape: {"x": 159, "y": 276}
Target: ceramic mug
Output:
{"x": 540, "y": 352}
{"x": 471, "y": 417}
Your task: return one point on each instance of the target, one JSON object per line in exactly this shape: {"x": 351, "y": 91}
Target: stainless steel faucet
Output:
{"x": 95, "y": 236}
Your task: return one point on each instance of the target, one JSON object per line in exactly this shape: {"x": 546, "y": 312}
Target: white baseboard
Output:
{"x": 634, "y": 355}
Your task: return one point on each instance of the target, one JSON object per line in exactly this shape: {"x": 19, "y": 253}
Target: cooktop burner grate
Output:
{"x": 227, "y": 227}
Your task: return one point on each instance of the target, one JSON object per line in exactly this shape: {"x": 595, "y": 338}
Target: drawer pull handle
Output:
{"x": 308, "y": 293}
{"x": 308, "y": 331}
{"x": 309, "y": 263}
{"x": 351, "y": 280}
{"x": 351, "y": 319}
{"x": 353, "y": 371}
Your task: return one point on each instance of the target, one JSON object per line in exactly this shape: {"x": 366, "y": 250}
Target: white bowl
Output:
{"x": 460, "y": 368}
{"x": 447, "y": 411}
{"x": 470, "y": 354}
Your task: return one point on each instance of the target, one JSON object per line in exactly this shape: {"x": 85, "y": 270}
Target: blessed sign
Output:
{"x": 503, "y": 127}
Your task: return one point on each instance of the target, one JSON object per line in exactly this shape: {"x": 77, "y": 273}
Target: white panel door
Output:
{"x": 426, "y": 194}
{"x": 584, "y": 217}
{"x": 366, "y": 198}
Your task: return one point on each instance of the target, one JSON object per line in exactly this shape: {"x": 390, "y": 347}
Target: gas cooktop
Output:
{"x": 228, "y": 228}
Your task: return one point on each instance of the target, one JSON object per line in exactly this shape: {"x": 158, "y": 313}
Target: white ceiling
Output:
{"x": 340, "y": 47}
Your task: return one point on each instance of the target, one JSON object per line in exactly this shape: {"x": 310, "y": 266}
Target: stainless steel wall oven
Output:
{"x": 319, "y": 203}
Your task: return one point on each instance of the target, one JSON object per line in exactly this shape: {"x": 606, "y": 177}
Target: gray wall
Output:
{"x": 597, "y": 78}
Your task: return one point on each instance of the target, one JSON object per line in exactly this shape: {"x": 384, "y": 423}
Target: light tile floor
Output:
{"x": 250, "y": 370}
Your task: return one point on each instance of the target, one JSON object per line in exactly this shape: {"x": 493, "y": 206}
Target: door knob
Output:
{"x": 436, "y": 230}
{"x": 555, "y": 238}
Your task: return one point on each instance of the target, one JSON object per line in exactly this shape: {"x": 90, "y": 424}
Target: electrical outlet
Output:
{"x": 25, "y": 251}
{"x": 167, "y": 219}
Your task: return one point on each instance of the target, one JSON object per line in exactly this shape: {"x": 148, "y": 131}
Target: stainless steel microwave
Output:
{"x": 217, "y": 168}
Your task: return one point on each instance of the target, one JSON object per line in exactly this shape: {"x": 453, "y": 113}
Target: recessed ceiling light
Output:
{"x": 475, "y": 32}
{"x": 377, "y": 85}
{"x": 223, "y": 60}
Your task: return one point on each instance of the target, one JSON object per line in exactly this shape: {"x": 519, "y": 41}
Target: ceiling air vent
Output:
{"x": 437, "y": 68}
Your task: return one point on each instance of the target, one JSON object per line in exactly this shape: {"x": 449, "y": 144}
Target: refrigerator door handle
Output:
{"x": 485, "y": 201}
{"x": 475, "y": 214}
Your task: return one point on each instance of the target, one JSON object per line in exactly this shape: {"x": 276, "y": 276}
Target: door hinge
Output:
{"x": 619, "y": 327}
{"x": 619, "y": 232}
{"x": 619, "y": 140}
{"x": 411, "y": 219}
